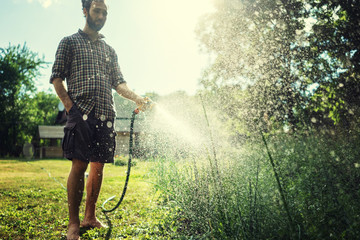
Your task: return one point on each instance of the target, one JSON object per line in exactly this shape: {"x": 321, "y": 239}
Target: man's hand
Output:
{"x": 62, "y": 93}
{"x": 145, "y": 104}
{"x": 140, "y": 101}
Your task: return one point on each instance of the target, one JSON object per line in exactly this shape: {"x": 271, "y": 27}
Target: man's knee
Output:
{"x": 79, "y": 166}
{"x": 97, "y": 167}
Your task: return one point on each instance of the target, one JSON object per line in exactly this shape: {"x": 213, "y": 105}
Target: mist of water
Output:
{"x": 177, "y": 127}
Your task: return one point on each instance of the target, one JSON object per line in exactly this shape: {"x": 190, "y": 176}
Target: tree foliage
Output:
{"x": 293, "y": 64}
{"x": 254, "y": 43}
{"x": 334, "y": 55}
{"x": 21, "y": 108}
{"x": 282, "y": 62}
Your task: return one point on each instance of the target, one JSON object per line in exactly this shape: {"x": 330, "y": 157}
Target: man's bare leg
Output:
{"x": 93, "y": 186}
{"x": 75, "y": 189}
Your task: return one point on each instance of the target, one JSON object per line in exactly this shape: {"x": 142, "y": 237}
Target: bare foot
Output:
{"x": 73, "y": 232}
{"x": 95, "y": 223}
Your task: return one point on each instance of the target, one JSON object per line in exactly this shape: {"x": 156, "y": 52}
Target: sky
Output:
{"x": 155, "y": 40}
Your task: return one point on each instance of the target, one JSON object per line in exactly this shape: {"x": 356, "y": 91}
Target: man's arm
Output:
{"x": 62, "y": 93}
{"x": 124, "y": 91}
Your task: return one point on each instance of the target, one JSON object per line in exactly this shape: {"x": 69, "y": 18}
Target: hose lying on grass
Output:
{"x": 128, "y": 169}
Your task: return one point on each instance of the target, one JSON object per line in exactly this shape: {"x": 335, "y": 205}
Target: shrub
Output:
{"x": 123, "y": 161}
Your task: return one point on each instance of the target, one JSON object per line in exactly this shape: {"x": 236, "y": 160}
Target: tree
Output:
{"x": 21, "y": 108}
{"x": 254, "y": 48}
{"x": 332, "y": 61}
{"x": 287, "y": 63}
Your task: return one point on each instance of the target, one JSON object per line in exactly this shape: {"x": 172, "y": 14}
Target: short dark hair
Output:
{"x": 87, "y": 3}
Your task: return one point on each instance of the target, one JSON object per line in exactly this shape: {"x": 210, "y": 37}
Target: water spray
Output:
{"x": 148, "y": 105}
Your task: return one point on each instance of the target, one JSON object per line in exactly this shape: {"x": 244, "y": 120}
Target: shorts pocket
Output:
{"x": 68, "y": 142}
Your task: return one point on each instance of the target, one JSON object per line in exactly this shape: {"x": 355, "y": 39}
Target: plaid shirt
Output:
{"x": 91, "y": 71}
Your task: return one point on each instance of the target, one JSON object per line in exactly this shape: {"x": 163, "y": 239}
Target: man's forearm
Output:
{"x": 124, "y": 91}
{"x": 62, "y": 93}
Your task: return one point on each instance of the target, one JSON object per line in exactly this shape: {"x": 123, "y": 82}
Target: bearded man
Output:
{"x": 91, "y": 70}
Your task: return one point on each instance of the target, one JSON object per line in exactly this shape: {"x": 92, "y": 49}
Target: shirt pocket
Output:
{"x": 106, "y": 63}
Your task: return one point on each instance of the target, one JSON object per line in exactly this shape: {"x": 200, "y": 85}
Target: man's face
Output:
{"x": 96, "y": 16}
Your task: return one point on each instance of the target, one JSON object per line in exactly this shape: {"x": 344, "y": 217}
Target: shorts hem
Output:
{"x": 91, "y": 159}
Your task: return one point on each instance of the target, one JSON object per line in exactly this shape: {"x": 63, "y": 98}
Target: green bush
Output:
{"x": 123, "y": 161}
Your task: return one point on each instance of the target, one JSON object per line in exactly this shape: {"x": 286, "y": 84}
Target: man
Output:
{"x": 91, "y": 71}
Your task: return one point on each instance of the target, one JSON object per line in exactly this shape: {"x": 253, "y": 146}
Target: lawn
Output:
{"x": 33, "y": 203}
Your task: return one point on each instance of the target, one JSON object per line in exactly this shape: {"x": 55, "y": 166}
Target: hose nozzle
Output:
{"x": 148, "y": 105}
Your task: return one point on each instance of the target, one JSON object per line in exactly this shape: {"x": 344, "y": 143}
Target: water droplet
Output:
{"x": 313, "y": 120}
{"x": 97, "y": 143}
{"x": 97, "y": 126}
{"x": 109, "y": 124}
{"x": 357, "y": 165}
{"x": 111, "y": 135}
{"x": 332, "y": 153}
{"x": 110, "y": 149}
{"x": 102, "y": 118}
{"x": 85, "y": 117}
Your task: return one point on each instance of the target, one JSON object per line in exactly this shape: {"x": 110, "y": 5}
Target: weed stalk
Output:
{"x": 282, "y": 194}
{"x": 211, "y": 137}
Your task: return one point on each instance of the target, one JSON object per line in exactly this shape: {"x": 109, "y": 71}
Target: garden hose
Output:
{"x": 128, "y": 169}
{"x": 148, "y": 105}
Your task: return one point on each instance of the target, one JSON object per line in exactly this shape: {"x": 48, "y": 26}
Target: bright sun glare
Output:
{"x": 181, "y": 12}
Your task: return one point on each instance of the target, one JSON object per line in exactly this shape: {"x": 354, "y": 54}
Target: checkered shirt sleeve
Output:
{"x": 62, "y": 62}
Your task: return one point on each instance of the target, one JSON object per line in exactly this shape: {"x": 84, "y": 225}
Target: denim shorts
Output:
{"x": 88, "y": 138}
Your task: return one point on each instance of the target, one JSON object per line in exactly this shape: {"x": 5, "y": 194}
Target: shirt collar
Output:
{"x": 82, "y": 33}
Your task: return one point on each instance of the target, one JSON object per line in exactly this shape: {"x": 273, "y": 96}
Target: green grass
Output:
{"x": 192, "y": 199}
{"x": 33, "y": 203}
{"x": 315, "y": 195}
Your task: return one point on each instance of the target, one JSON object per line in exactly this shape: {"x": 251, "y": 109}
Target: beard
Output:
{"x": 93, "y": 25}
